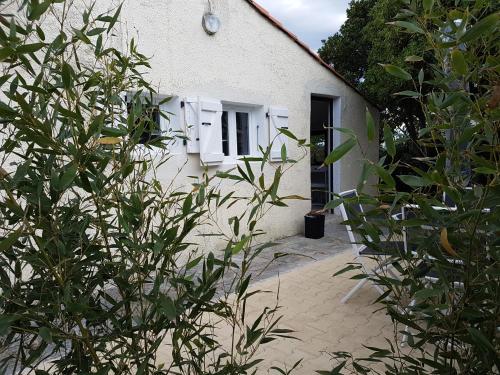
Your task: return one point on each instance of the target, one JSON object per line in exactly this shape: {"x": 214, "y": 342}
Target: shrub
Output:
{"x": 99, "y": 261}
{"x": 447, "y": 289}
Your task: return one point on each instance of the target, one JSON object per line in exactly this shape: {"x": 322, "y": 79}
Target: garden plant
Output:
{"x": 443, "y": 294}
{"x": 101, "y": 268}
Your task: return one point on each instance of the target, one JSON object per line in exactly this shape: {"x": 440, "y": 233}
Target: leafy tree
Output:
{"x": 442, "y": 289}
{"x": 367, "y": 40}
{"x": 99, "y": 261}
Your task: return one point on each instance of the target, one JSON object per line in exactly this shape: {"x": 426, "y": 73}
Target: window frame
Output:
{"x": 232, "y": 109}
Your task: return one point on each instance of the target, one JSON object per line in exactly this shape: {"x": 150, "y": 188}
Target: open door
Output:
{"x": 321, "y": 146}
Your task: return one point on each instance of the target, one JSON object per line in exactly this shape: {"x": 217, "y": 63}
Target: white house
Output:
{"x": 236, "y": 74}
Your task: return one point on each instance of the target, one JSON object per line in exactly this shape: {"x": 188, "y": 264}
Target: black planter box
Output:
{"x": 314, "y": 226}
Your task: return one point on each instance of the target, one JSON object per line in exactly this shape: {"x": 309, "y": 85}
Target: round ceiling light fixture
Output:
{"x": 211, "y": 23}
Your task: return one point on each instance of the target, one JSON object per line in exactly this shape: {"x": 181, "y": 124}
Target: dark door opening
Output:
{"x": 321, "y": 145}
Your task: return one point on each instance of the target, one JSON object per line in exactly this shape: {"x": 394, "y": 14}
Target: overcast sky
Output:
{"x": 310, "y": 20}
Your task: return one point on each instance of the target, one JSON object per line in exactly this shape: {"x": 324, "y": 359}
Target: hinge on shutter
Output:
{"x": 182, "y": 104}
{"x": 267, "y": 114}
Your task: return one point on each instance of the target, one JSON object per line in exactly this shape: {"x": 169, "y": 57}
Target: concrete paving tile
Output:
{"x": 310, "y": 299}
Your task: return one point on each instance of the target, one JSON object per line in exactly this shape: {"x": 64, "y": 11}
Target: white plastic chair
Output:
{"x": 363, "y": 252}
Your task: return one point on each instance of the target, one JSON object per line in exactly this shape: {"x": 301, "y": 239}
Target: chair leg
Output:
{"x": 353, "y": 291}
{"x": 406, "y": 331}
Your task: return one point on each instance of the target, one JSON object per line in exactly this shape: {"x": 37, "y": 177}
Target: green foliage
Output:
{"x": 100, "y": 265}
{"x": 366, "y": 41}
{"x": 443, "y": 292}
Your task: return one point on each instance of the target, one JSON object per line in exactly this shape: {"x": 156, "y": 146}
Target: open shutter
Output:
{"x": 210, "y": 130}
{"x": 278, "y": 119}
{"x": 191, "y": 119}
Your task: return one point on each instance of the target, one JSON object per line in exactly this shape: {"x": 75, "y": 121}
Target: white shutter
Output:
{"x": 191, "y": 120}
{"x": 210, "y": 130}
{"x": 278, "y": 119}
{"x": 172, "y": 125}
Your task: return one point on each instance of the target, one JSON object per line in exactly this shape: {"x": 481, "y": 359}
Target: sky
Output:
{"x": 310, "y": 20}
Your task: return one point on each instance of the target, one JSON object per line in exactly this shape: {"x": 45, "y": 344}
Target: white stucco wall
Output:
{"x": 248, "y": 61}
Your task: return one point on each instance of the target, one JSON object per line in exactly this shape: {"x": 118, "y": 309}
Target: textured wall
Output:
{"x": 248, "y": 61}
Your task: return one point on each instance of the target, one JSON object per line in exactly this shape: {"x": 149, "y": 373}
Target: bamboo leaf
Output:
{"x": 481, "y": 28}
{"x": 340, "y": 151}
{"x": 109, "y": 140}
{"x": 413, "y": 58}
{"x": 458, "y": 62}
{"x": 396, "y": 71}
{"x": 66, "y": 75}
{"x": 428, "y": 4}
{"x": 389, "y": 141}
{"x": 445, "y": 243}
{"x": 409, "y": 26}
{"x": 67, "y": 177}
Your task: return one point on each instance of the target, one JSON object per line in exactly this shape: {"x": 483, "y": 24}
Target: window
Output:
{"x": 148, "y": 117}
{"x": 236, "y": 131}
{"x": 155, "y": 118}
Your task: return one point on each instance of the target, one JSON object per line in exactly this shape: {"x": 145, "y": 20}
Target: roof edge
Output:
{"x": 262, "y": 11}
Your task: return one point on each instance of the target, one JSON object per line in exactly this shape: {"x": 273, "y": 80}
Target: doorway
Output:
{"x": 321, "y": 146}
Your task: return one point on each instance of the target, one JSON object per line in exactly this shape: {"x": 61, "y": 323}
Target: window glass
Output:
{"x": 225, "y": 133}
{"x": 242, "y": 133}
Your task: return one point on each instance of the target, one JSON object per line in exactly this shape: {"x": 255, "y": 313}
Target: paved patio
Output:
{"x": 310, "y": 299}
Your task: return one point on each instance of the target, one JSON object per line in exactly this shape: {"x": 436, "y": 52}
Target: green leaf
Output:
{"x": 80, "y": 35}
{"x": 413, "y": 58}
{"x": 481, "y": 28}
{"x": 167, "y": 307}
{"x": 38, "y": 9}
{"x": 283, "y": 153}
{"x": 10, "y": 240}
{"x": 239, "y": 246}
{"x": 409, "y": 26}
{"x": 97, "y": 31}
{"x": 458, "y": 62}
{"x": 40, "y": 32}
{"x": 67, "y": 177}
{"x": 333, "y": 204}
{"x": 428, "y": 4}
{"x": 5, "y": 323}
{"x": 287, "y": 133}
{"x": 396, "y": 71}
{"x": 113, "y": 19}
{"x": 425, "y": 293}
{"x": 370, "y": 125}
{"x": 412, "y": 94}
{"x": 194, "y": 263}
{"x": 415, "y": 181}
{"x": 363, "y": 178}
{"x": 385, "y": 176}
{"x": 45, "y": 334}
{"x": 348, "y": 268}
{"x": 30, "y": 48}
{"x": 340, "y": 151}
{"x": 389, "y": 141}
{"x": 5, "y": 53}
{"x": 481, "y": 340}
{"x": 66, "y": 75}
{"x": 485, "y": 170}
